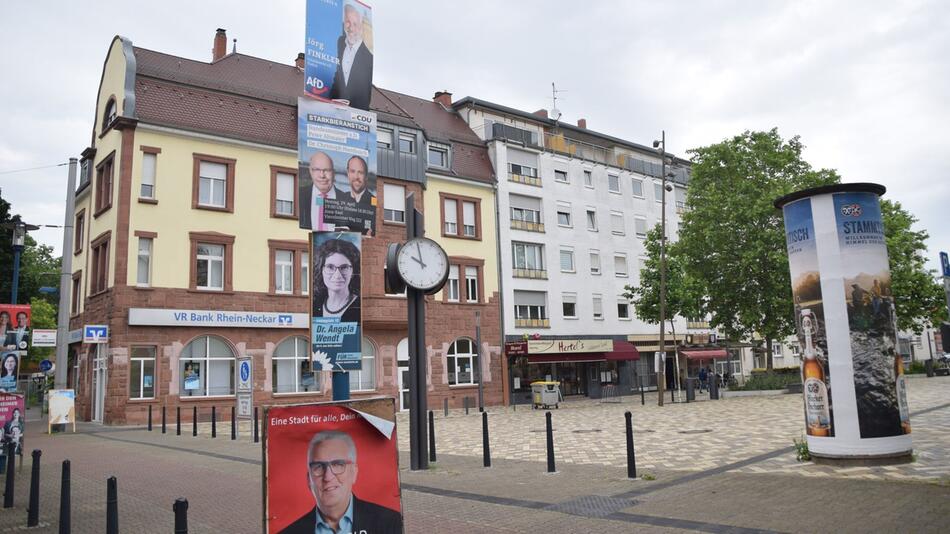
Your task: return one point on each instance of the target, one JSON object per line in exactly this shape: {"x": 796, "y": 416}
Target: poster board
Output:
{"x": 12, "y": 420}
{"x": 62, "y": 408}
{"x": 316, "y": 456}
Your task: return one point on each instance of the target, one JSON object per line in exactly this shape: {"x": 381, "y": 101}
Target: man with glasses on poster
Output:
{"x": 331, "y": 472}
{"x": 313, "y": 199}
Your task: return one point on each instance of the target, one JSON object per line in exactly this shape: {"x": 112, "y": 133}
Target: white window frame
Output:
{"x": 469, "y": 218}
{"x": 617, "y": 223}
{"x": 384, "y": 138}
{"x": 367, "y": 371}
{"x": 284, "y": 272}
{"x": 408, "y": 138}
{"x": 146, "y": 257}
{"x": 204, "y": 367}
{"x": 538, "y": 250}
{"x": 613, "y": 183}
{"x": 636, "y": 227}
{"x": 598, "y": 302}
{"x": 452, "y": 358}
{"x": 212, "y": 260}
{"x": 658, "y": 191}
{"x": 569, "y": 298}
{"x": 141, "y": 372}
{"x": 626, "y": 265}
{"x": 394, "y": 203}
{"x": 471, "y": 283}
{"x": 564, "y": 208}
{"x": 441, "y": 149}
{"x": 635, "y": 184}
{"x": 560, "y": 176}
{"x": 626, "y": 304}
{"x": 567, "y": 253}
{"x": 149, "y": 170}
{"x": 211, "y": 184}
{"x": 525, "y": 170}
{"x": 284, "y": 204}
{"x": 301, "y": 353}
{"x": 588, "y": 179}
{"x": 450, "y": 208}
{"x": 595, "y": 265}
{"x": 591, "y": 219}
{"x": 452, "y": 285}
{"x": 304, "y": 273}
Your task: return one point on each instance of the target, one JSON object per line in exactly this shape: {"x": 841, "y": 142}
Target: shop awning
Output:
{"x": 566, "y": 357}
{"x": 713, "y": 354}
{"x": 623, "y": 350}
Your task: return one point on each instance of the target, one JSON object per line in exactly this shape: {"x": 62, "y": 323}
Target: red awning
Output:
{"x": 714, "y": 354}
{"x": 566, "y": 357}
{"x": 623, "y": 350}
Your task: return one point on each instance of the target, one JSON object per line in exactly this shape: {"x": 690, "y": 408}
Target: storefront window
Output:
{"x": 365, "y": 378}
{"x": 206, "y": 368}
{"x": 461, "y": 361}
{"x": 291, "y": 371}
{"x": 142, "y": 373}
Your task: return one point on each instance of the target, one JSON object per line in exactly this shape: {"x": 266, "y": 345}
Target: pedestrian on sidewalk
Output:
{"x": 702, "y": 379}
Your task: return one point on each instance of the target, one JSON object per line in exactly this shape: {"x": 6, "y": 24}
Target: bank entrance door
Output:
{"x": 402, "y": 358}
{"x": 98, "y": 382}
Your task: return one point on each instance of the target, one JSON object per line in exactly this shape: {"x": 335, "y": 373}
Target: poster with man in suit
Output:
{"x": 339, "y": 52}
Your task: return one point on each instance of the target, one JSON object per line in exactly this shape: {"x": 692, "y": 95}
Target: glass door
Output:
{"x": 98, "y": 383}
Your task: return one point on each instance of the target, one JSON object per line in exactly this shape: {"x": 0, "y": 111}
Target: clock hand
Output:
{"x": 419, "y": 251}
{"x": 417, "y": 260}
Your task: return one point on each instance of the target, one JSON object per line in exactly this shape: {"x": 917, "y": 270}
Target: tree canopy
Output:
{"x": 38, "y": 266}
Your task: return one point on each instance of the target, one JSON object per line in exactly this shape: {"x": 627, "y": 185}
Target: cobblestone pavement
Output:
{"x": 719, "y": 481}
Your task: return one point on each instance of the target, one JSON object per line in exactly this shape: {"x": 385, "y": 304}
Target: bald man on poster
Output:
{"x": 331, "y": 473}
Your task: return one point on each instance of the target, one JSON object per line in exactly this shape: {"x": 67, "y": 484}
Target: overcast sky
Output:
{"x": 865, "y": 84}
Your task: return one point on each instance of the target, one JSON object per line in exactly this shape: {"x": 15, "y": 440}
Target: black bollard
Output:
{"x": 214, "y": 421}
{"x": 178, "y": 420}
{"x": 149, "y": 417}
{"x": 181, "y": 515}
{"x": 163, "y": 419}
{"x": 465, "y": 402}
{"x": 631, "y": 457}
{"x": 194, "y": 421}
{"x": 642, "y": 397}
{"x": 486, "y": 449}
{"x": 233, "y": 425}
{"x": 550, "y": 441}
{"x": 64, "y": 501}
{"x": 672, "y": 389}
{"x": 431, "y": 437}
{"x": 8, "y": 487}
{"x": 112, "y": 507}
{"x": 33, "y": 512}
{"x": 257, "y": 436}
{"x": 445, "y": 407}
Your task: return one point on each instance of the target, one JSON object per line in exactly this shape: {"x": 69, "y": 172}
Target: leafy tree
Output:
{"x": 732, "y": 239}
{"x": 918, "y": 297}
{"x": 42, "y": 315}
{"x": 38, "y": 266}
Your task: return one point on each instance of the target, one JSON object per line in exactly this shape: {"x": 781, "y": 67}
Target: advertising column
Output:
{"x": 854, "y": 392}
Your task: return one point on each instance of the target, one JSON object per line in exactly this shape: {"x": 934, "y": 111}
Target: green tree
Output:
{"x": 42, "y": 315}
{"x": 918, "y": 297}
{"x": 38, "y": 266}
{"x": 732, "y": 239}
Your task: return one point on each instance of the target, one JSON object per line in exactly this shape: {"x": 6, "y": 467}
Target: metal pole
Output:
{"x": 418, "y": 458}
{"x": 149, "y": 417}
{"x": 178, "y": 420}
{"x": 214, "y": 421}
{"x": 549, "y": 431}
{"x": 163, "y": 419}
{"x": 181, "y": 515}
{"x": 486, "y": 448}
{"x": 631, "y": 456}
{"x": 233, "y": 425}
{"x": 194, "y": 421}
{"x": 16, "y": 273}
{"x": 340, "y": 381}
{"x": 661, "y": 383}
{"x": 431, "y": 437}
{"x": 112, "y": 507}
{"x": 33, "y": 511}
{"x": 478, "y": 358}
{"x": 64, "y": 501}
{"x": 257, "y": 436}
{"x": 9, "y": 483}
{"x": 65, "y": 282}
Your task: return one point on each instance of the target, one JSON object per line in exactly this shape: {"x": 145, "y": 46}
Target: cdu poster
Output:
{"x": 339, "y": 52}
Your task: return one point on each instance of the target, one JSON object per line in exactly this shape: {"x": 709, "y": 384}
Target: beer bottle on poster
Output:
{"x": 817, "y": 415}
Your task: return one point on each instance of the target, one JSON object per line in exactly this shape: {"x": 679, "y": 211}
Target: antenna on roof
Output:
{"x": 555, "y": 113}
{"x": 234, "y": 48}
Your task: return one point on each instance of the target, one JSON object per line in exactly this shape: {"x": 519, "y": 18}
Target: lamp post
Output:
{"x": 19, "y": 242}
{"x": 661, "y": 372}
{"x": 478, "y": 360}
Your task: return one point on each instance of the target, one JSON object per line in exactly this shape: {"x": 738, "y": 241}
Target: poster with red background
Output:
{"x": 287, "y": 434}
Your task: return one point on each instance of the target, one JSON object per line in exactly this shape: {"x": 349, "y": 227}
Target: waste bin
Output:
{"x": 713, "y": 386}
{"x": 545, "y": 394}
{"x": 690, "y": 389}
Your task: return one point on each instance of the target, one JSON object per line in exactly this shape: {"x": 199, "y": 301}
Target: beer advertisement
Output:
{"x": 338, "y": 52}
{"x": 335, "y": 331}
{"x": 332, "y": 467}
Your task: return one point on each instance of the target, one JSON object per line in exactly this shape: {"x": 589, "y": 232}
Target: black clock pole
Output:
{"x": 415, "y": 298}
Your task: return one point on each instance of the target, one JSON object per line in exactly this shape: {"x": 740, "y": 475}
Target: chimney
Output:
{"x": 582, "y": 123}
{"x": 543, "y": 113}
{"x": 220, "y": 48}
{"x": 299, "y": 61}
{"x": 444, "y": 98}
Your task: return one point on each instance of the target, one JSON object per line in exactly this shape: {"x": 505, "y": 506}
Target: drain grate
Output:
{"x": 592, "y": 506}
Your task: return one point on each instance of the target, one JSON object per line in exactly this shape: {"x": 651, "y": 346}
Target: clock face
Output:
{"x": 423, "y": 264}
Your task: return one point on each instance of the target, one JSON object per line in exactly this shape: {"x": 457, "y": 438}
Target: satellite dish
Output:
{"x": 556, "y": 113}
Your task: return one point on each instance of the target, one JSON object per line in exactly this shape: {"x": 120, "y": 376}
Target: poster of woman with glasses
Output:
{"x": 335, "y": 316}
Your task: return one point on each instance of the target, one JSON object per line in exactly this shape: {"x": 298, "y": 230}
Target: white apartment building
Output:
{"x": 574, "y": 208}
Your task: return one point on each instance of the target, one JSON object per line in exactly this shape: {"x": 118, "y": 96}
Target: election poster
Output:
{"x": 339, "y": 52}
{"x": 332, "y": 464}
{"x": 336, "y": 149}
{"x": 9, "y": 370}
{"x": 335, "y": 331}
{"x": 62, "y": 407}
{"x": 12, "y": 413}
{"x": 15, "y": 326}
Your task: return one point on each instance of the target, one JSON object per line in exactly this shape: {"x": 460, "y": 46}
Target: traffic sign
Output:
{"x": 44, "y": 338}
{"x": 245, "y": 378}
{"x": 95, "y": 333}
{"x": 46, "y": 366}
{"x": 945, "y": 263}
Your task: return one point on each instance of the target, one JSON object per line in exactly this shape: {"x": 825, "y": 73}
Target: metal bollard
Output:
{"x": 486, "y": 449}
{"x": 445, "y": 407}
{"x": 178, "y": 420}
{"x": 214, "y": 421}
{"x": 149, "y": 417}
{"x": 9, "y": 486}
{"x": 181, "y": 515}
{"x": 112, "y": 507}
{"x": 194, "y": 421}
{"x": 233, "y": 425}
{"x": 550, "y": 441}
{"x": 431, "y": 437}
{"x": 64, "y": 501}
{"x": 631, "y": 456}
{"x": 257, "y": 437}
{"x": 643, "y": 400}
{"x": 33, "y": 511}
{"x": 163, "y": 419}
{"x": 465, "y": 402}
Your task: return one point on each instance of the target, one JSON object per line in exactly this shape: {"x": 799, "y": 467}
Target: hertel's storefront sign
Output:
{"x": 216, "y": 318}
{"x": 558, "y": 346}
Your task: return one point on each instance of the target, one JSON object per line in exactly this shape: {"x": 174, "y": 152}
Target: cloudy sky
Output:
{"x": 865, "y": 84}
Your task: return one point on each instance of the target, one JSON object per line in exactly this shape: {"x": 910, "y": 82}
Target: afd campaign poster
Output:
{"x": 336, "y": 149}
{"x": 334, "y": 465}
{"x": 339, "y": 52}
{"x": 335, "y": 330}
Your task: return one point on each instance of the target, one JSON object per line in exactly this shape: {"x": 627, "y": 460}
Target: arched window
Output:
{"x": 461, "y": 362}
{"x": 365, "y": 378}
{"x": 291, "y": 371}
{"x": 109, "y": 114}
{"x": 206, "y": 368}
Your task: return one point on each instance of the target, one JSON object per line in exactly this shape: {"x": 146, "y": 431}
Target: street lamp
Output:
{"x": 20, "y": 229}
{"x": 661, "y": 372}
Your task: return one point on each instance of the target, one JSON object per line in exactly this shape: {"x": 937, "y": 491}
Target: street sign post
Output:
{"x": 945, "y": 263}
{"x": 244, "y": 399}
{"x": 44, "y": 338}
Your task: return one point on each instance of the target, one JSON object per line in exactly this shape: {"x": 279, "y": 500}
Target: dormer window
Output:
{"x": 110, "y": 114}
{"x": 438, "y": 155}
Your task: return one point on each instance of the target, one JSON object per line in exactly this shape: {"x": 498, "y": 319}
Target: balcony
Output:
{"x": 532, "y": 323}
{"x": 539, "y": 274}
{"x": 518, "y": 135}
{"x": 521, "y": 179}
{"x": 518, "y": 224}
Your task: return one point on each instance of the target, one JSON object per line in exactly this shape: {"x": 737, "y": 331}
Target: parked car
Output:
{"x": 942, "y": 365}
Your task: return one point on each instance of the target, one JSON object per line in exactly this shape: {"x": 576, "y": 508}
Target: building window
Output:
{"x": 594, "y": 262}
{"x": 438, "y": 155}
{"x": 213, "y": 183}
{"x": 99, "y": 280}
{"x": 76, "y": 296}
{"x": 142, "y": 373}
{"x": 450, "y": 215}
{"x": 564, "y": 214}
{"x": 291, "y": 370}
{"x": 144, "y": 272}
{"x": 560, "y": 176}
{"x": 149, "y": 168}
{"x": 569, "y": 305}
{"x": 452, "y": 284}
{"x": 592, "y": 219}
{"x": 365, "y": 378}
{"x": 623, "y": 309}
{"x": 525, "y": 213}
{"x": 211, "y": 261}
{"x": 460, "y": 361}
{"x": 616, "y": 223}
{"x": 680, "y": 199}
{"x": 613, "y": 183}
{"x": 470, "y": 211}
{"x": 522, "y": 170}
{"x": 620, "y": 265}
{"x": 79, "y": 230}
{"x": 637, "y": 187}
{"x": 407, "y": 143}
{"x": 528, "y": 256}
{"x": 567, "y": 260}
{"x": 283, "y": 192}
{"x": 384, "y": 138}
{"x": 110, "y": 114}
{"x": 471, "y": 283}
{"x": 640, "y": 227}
{"x": 104, "y": 181}
{"x": 530, "y": 309}
{"x": 588, "y": 179}
{"x": 598, "y": 307}
{"x": 284, "y": 271}
{"x": 394, "y": 203}
{"x": 206, "y": 368}
{"x": 658, "y": 191}
{"x": 304, "y": 273}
